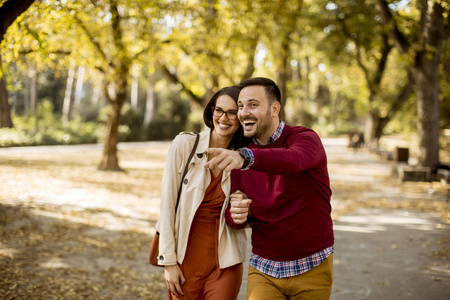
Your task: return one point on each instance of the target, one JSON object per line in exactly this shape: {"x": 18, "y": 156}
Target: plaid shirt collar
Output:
{"x": 275, "y": 136}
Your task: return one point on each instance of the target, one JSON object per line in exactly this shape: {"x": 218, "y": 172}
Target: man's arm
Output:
{"x": 305, "y": 151}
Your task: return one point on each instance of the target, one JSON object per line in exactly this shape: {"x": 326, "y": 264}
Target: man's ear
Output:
{"x": 275, "y": 107}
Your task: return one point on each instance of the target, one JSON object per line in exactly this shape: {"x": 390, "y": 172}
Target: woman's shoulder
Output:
{"x": 185, "y": 136}
{"x": 184, "y": 139}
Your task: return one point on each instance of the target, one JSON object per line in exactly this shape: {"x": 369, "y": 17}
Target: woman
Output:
{"x": 201, "y": 255}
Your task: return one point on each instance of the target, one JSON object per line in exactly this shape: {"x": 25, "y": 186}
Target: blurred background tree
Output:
{"x": 9, "y": 11}
{"x": 420, "y": 36}
{"x": 143, "y": 70}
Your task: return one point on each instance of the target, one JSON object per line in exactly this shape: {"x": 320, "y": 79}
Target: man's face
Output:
{"x": 255, "y": 113}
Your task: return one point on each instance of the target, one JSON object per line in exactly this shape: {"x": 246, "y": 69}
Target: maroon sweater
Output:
{"x": 290, "y": 191}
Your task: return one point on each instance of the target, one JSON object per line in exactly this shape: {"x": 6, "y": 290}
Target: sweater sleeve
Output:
{"x": 303, "y": 151}
{"x": 235, "y": 185}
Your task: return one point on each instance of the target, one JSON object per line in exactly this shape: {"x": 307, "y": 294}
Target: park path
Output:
{"x": 385, "y": 248}
{"x": 392, "y": 239}
{"x": 392, "y": 244}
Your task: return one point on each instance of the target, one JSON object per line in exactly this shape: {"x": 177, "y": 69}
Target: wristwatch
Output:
{"x": 246, "y": 156}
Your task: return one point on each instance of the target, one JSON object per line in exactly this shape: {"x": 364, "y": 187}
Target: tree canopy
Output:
{"x": 341, "y": 65}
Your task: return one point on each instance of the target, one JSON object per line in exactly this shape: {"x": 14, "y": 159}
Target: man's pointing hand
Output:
{"x": 224, "y": 159}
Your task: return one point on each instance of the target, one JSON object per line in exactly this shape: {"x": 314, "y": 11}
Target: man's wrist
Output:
{"x": 248, "y": 157}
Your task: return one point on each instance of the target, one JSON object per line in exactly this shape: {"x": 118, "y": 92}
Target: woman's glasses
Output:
{"x": 231, "y": 114}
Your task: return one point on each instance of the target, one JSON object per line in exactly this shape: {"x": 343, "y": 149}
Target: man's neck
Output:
{"x": 273, "y": 127}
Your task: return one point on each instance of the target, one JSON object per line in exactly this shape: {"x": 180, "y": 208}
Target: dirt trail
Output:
{"x": 392, "y": 238}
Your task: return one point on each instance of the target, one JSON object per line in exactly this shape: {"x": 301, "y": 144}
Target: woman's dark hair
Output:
{"x": 238, "y": 139}
{"x": 272, "y": 91}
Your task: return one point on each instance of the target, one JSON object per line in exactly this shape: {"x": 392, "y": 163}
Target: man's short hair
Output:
{"x": 272, "y": 91}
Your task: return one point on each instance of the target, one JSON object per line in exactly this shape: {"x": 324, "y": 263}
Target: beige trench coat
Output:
{"x": 174, "y": 230}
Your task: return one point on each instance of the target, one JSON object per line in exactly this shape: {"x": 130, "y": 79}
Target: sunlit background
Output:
{"x": 70, "y": 67}
{"x": 118, "y": 79}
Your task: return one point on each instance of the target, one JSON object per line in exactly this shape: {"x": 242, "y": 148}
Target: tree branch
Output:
{"x": 433, "y": 26}
{"x": 100, "y": 69}
{"x": 358, "y": 56}
{"x": 117, "y": 28}
{"x": 173, "y": 78}
{"x": 93, "y": 41}
{"x": 402, "y": 96}
{"x": 385, "y": 50}
{"x": 251, "y": 59}
{"x": 57, "y": 52}
{"x": 10, "y": 11}
{"x": 388, "y": 20}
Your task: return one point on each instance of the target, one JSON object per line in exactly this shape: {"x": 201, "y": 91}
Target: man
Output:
{"x": 284, "y": 173}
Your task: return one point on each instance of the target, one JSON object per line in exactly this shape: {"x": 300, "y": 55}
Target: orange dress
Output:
{"x": 204, "y": 278}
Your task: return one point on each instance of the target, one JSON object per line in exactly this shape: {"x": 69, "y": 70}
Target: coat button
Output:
{"x": 199, "y": 155}
{"x": 161, "y": 258}
{"x": 185, "y": 181}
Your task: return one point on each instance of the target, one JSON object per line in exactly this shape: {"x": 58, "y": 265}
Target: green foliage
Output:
{"x": 13, "y": 137}
{"x": 405, "y": 121}
{"x": 131, "y": 128}
{"x": 44, "y": 129}
{"x": 52, "y": 87}
{"x": 195, "y": 122}
{"x": 171, "y": 118}
{"x": 206, "y": 45}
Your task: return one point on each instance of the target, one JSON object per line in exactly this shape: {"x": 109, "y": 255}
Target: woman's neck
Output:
{"x": 217, "y": 141}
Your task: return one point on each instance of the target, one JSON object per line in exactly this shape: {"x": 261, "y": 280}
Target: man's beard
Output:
{"x": 261, "y": 128}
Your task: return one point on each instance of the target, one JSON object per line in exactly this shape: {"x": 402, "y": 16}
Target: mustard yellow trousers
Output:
{"x": 312, "y": 285}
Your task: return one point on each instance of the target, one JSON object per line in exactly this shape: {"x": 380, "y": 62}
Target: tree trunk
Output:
{"x": 110, "y": 161}
{"x": 134, "y": 87}
{"x": 428, "y": 109}
{"x": 150, "y": 103}
{"x": 5, "y": 108}
{"x": 425, "y": 70}
{"x": 307, "y": 80}
{"x": 26, "y": 100}
{"x": 79, "y": 88}
{"x": 9, "y": 11}
{"x": 284, "y": 72}
{"x": 375, "y": 127}
{"x": 282, "y": 83}
{"x": 251, "y": 58}
{"x": 284, "y": 67}
{"x": 67, "y": 104}
{"x": 33, "y": 92}
{"x": 95, "y": 95}
{"x": 370, "y": 128}
{"x": 426, "y": 77}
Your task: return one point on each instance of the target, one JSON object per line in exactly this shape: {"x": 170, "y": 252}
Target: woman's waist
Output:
{"x": 207, "y": 217}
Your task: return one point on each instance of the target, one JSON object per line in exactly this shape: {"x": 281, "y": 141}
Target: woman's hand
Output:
{"x": 174, "y": 279}
{"x": 240, "y": 207}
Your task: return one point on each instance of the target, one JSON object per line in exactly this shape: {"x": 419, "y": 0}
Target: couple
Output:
{"x": 278, "y": 180}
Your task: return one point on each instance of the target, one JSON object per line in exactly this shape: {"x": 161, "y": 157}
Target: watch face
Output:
{"x": 243, "y": 153}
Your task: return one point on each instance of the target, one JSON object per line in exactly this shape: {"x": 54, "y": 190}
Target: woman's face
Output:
{"x": 225, "y": 110}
